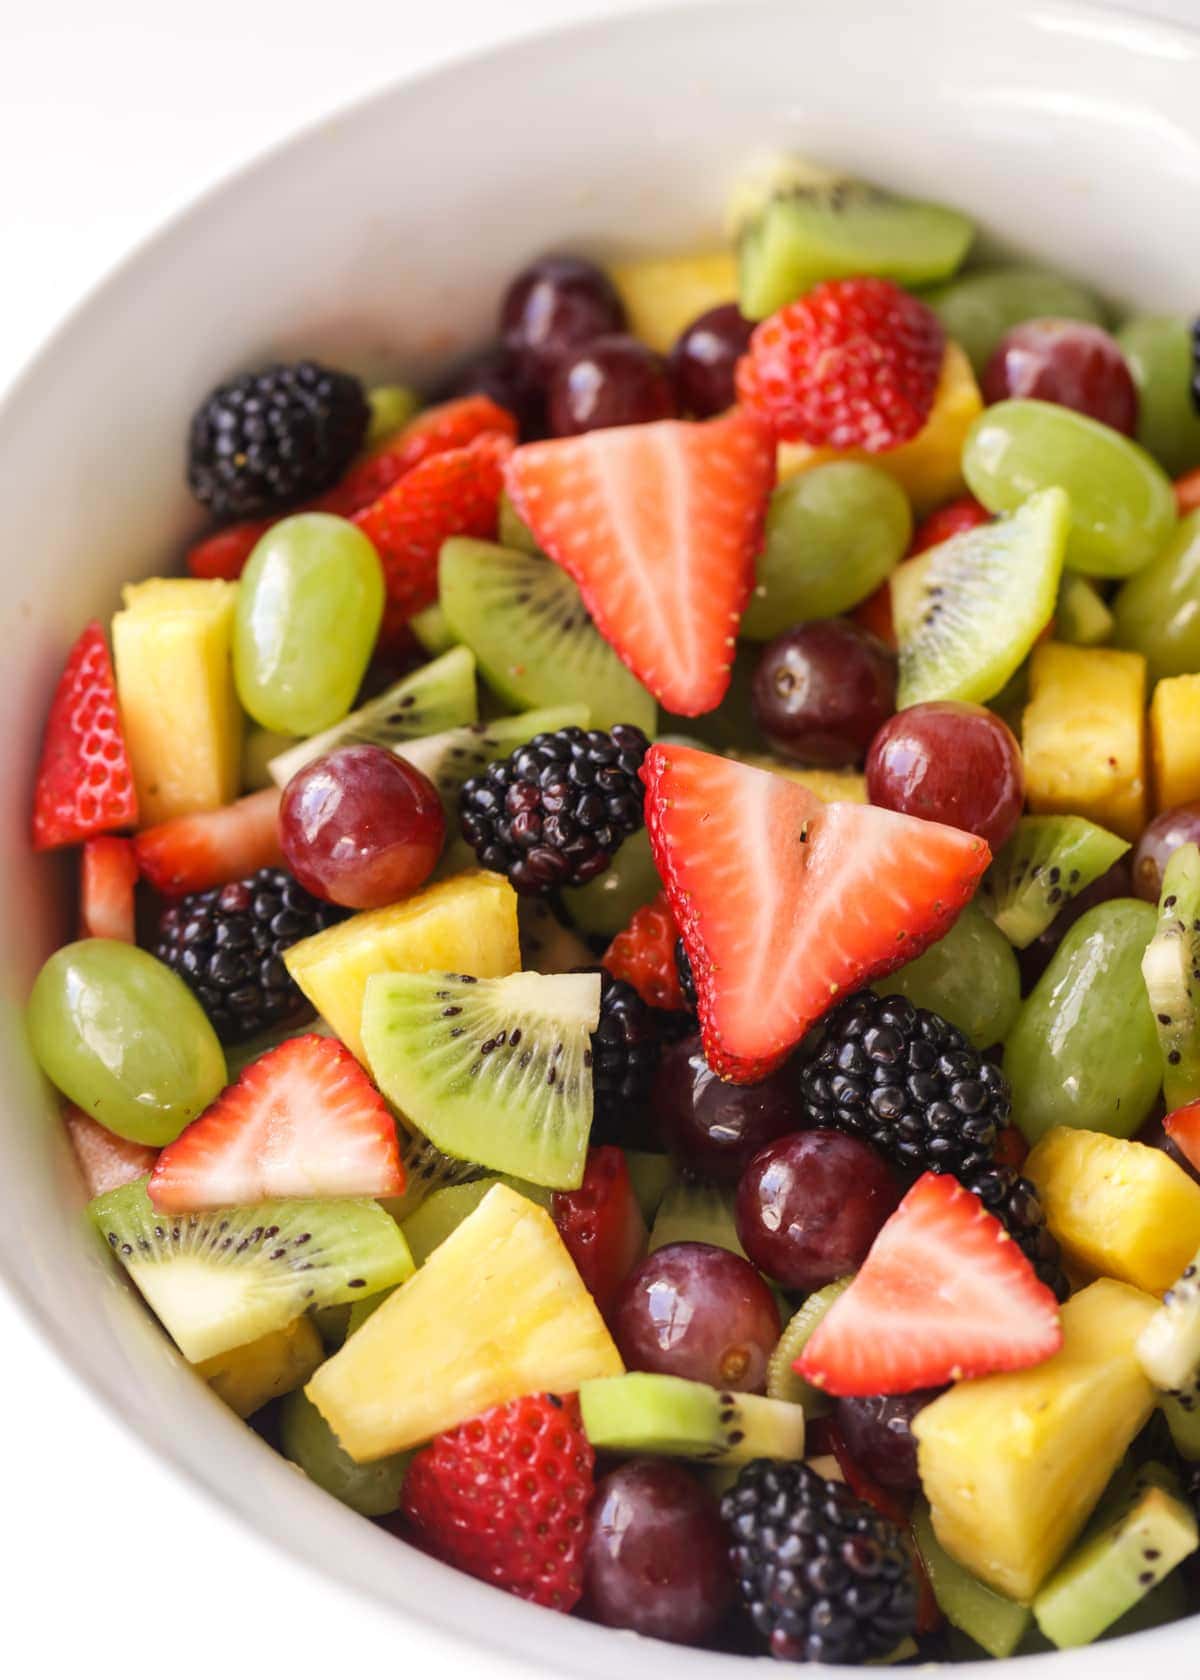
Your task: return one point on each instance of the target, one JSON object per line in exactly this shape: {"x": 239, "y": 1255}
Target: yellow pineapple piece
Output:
{"x": 464, "y": 925}
{"x": 247, "y": 1377}
{"x": 1119, "y": 1209}
{"x": 1013, "y": 1465}
{"x": 929, "y": 467}
{"x": 1175, "y": 741}
{"x": 498, "y": 1310}
{"x": 847, "y": 785}
{"x": 1084, "y": 735}
{"x": 172, "y": 650}
{"x": 663, "y": 295}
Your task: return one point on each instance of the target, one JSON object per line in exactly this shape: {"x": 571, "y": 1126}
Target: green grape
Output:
{"x": 308, "y": 611}
{"x": 1084, "y": 1051}
{"x": 1122, "y": 503}
{"x": 259, "y": 747}
{"x": 970, "y": 978}
{"x": 979, "y": 308}
{"x": 373, "y": 1490}
{"x": 392, "y": 407}
{"x": 125, "y": 1039}
{"x": 833, "y": 535}
{"x": 1158, "y": 349}
{"x": 1158, "y": 611}
{"x": 605, "y": 904}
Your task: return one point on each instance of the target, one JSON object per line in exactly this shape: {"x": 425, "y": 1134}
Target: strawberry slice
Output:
{"x": 944, "y": 1294}
{"x": 206, "y": 849}
{"x": 106, "y": 1161}
{"x": 303, "y": 1120}
{"x": 643, "y": 953}
{"x": 601, "y": 1224}
{"x": 659, "y": 525}
{"x": 108, "y": 873}
{"x": 785, "y": 904}
{"x": 84, "y": 782}
{"x": 225, "y": 553}
{"x": 1183, "y": 1129}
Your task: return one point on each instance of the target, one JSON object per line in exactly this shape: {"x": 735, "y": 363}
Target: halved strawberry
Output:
{"x": 601, "y": 1224}
{"x": 224, "y": 554}
{"x": 190, "y": 854}
{"x": 436, "y": 431}
{"x": 84, "y": 782}
{"x": 785, "y": 904}
{"x": 659, "y": 525}
{"x": 303, "y": 1120}
{"x": 952, "y": 518}
{"x": 1183, "y": 1129}
{"x": 944, "y": 1294}
{"x": 643, "y": 953}
{"x": 108, "y": 873}
{"x": 106, "y": 1161}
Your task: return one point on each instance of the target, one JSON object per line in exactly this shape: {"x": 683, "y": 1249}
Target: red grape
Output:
{"x": 1072, "y": 363}
{"x": 502, "y": 373}
{"x": 949, "y": 762}
{"x": 693, "y": 1310}
{"x": 822, "y": 689}
{"x": 1169, "y": 830}
{"x": 810, "y": 1205}
{"x": 703, "y": 359}
{"x": 361, "y": 827}
{"x": 877, "y": 1433}
{"x": 611, "y": 381}
{"x": 712, "y": 1128}
{"x": 555, "y": 305}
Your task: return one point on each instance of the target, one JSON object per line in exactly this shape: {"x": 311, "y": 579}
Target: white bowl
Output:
{"x": 382, "y": 239}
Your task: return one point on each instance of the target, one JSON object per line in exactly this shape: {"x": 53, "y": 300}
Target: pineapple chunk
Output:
{"x": 929, "y": 467}
{"x": 247, "y": 1377}
{"x": 1175, "y": 741}
{"x": 849, "y": 786}
{"x": 663, "y": 295}
{"x": 497, "y": 1310}
{"x": 1013, "y": 1465}
{"x": 465, "y": 925}
{"x": 172, "y": 650}
{"x": 1084, "y": 735}
{"x": 1118, "y": 1208}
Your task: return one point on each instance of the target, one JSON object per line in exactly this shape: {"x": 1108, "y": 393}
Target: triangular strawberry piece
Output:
{"x": 660, "y": 526}
{"x": 84, "y": 781}
{"x": 944, "y": 1294}
{"x": 208, "y": 848}
{"x": 304, "y": 1120}
{"x": 1183, "y": 1129}
{"x": 785, "y": 904}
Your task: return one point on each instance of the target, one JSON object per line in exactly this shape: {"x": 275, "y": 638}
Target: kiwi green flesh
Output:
{"x": 994, "y": 1622}
{"x": 645, "y": 1412}
{"x": 218, "y": 1280}
{"x": 1181, "y": 1413}
{"x": 1168, "y": 1348}
{"x": 1171, "y": 970}
{"x": 696, "y": 1213}
{"x": 496, "y": 1072}
{"x": 453, "y": 756}
{"x": 430, "y": 628}
{"x": 373, "y": 1490}
{"x": 784, "y": 1382}
{"x": 1045, "y": 863}
{"x": 978, "y": 602}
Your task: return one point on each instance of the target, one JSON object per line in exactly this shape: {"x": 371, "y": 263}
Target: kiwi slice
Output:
{"x": 969, "y": 610}
{"x": 430, "y": 628}
{"x": 696, "y": 1213}
{"x": 1181, "y": 1412}
{"x": 1045, "y": 864}
{"x": 527, "y": 625}
{"x": 219, "y": 1280}
{"x": 996, "y": 1623}
{"x": 1171, "y": 970}
{"x": 1168, "y": 1348}
{"x": 645, "y": 1412}
{"x": 453, "y": 756}
{"x": 546, "y": 945}
{"x": 1081, "y": 616}
{"x": 437, "y": 696}
{"x": 783, "y": 1381}
{"x": 498, "y": 1072}
{"x": 373, "y": 1490}
{"x": 830, "y": 230}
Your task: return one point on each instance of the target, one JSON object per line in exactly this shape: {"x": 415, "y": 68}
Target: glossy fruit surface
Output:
{"x": 610, "y": 381}
{"x": 704, "y": 357}
{"x": 1072, "y": 363}
{"x": 1116, "y": 882}
{"x": 556, "y": 304}
{"x": 1158, "y": 349}
{"x": 970, "y": 977}
{"x": 822, "y": 690}
{"x": 501, "y": 372}
{"x": 692, "y": 1310}
{"x": 877, "y": 1432}
{"x": 1157, "y": 613}
{"x": 1169, "y": 830}
{"x": 949, "y": 762}
{"x": 713, "y": 1128}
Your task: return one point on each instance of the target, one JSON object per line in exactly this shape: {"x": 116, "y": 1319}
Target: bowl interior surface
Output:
{"x": 382, "y": 240}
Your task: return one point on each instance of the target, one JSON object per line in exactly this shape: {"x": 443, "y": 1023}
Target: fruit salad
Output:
{"x": 636, "y": 1000}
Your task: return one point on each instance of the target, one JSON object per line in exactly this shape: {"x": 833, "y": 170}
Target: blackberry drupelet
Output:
{"x": 824, "y": 1578}
{"x": 687, "y": 980}
{"x": 552, "y": 814}
{"x": 625, "y": 1051}
{"x": 265, "y": 440}
{"x": 228, "y": 945}
{"x": 906, "y": 1081}
{"x": 1015, "y": 1203}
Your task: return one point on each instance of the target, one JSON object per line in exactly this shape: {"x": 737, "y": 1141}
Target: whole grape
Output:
{"x": 949, "y": 762}
{"x": 877, "y": 1432}
{"x": 712, "y": 1128}
{"x": 610, "y": 381}
{"x": 555, "y": 305}
{"x": 704, "y": 356}
{"x": 1072, "y": 363}
{"x": 1169, "y": 830}
{"x": 822, "y": 690}
{"x": 694, "y": 1310}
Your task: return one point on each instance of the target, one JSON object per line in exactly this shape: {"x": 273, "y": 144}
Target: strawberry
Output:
{"x": 303, "y": 1120}
{"x": 660, "y": 526}
{"x": 601, "y": 1224}
{"x": 944, "y": 1294}
{"x": 1187, "y": 492}
{"x": 1011, "y": 1148}
{"x": 785, "y": 904}
{"x": 108, "y": 873}
{"x": 452, "y": 494}
{"x": 1183, "y": 1129}
{"x": 106, "y": 1161}
{"x": 505, "y": 1497}
{"x": 224, "y": 554}
{"x": 854, "y": 364}
{"x": 206, "y": 849}
{"x": 84, "y": 782}
{"x": 948, "y": 521}
{"x": 643, "y": 953}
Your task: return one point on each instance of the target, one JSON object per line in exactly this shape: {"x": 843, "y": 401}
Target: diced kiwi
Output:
{"x": 1045, "y": 864}
{"x": 1081, "y": 616}
{"x": 514, "y": 533}
{"x": 546, "y": 945}
{"x": 996, "y": 1623}
{"x": 646, "y": 1412}
{"x": 492, "y": 1071}
{"x": 968, "y": 611}
{"x": 650, "y": 1175}
{"x": 453, "y": 756}
{"x": 1181, "y": 1412}
{"x": 523, "y": 618}
{"x": 606, "y": 903}
{"x": 696, "y": 1213}
{"x": 373, "y": 1490}
{"x": 445, "y": 1210}
{"x": 977, "y": 309}
{"x": 829, "y": 230}
{"x": 432, "y": 630}
{"x": 218, "y": 1280}
{"x": 785, "y": 1383}
{"x": 1168, "y": 1349}
{"x": 1171, "y": 970}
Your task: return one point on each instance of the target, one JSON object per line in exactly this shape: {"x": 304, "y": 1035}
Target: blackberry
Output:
{"x": 687, "y": 982}
{"x": 552, "y": 814}
{"x": 824, "y": 1578}
{"x": 906, "y": 1081}
{"x": 1015, "y": 1203}
{"x": 228, "y": 945}
{"x": 625, "y": 1049}
{"x": 264, "y": 440}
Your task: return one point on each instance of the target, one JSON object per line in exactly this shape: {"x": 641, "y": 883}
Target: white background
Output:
{"x": 113, "y": 114}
